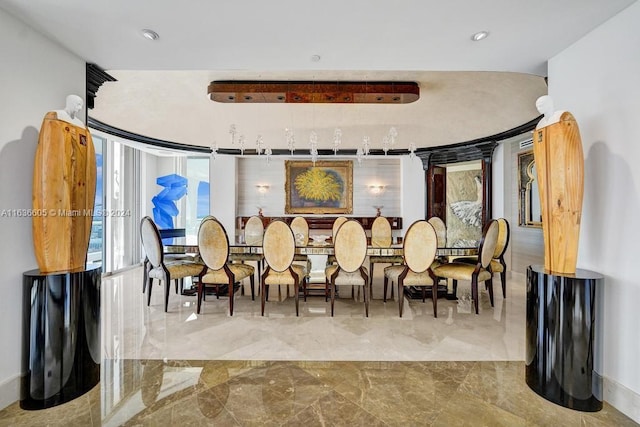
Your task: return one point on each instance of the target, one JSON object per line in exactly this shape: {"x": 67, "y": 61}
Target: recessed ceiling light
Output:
{"x": 150, "y": 34}
{"x": 479, "y": 36}
{"x": 315, "y": 58}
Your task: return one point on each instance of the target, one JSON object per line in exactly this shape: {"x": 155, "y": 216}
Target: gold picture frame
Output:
{"x": 323, "y": 188}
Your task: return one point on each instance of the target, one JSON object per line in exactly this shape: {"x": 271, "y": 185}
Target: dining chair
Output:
{"x": 279, "y": 248}
{"x": 300, "y": 229}
{"x": 253, "y": 233}
{"x": 419, "y": 248}
{"x": 498, "y": 264}
{"x": 350, "y": 249}
{"x": 331, "y": 259}
{"x": 441, "y": 230}
{"x": 478, "y": 272}
{"x": 213, "y": 246}
{"x": 157, "y": 267}
{"x": 381, "y": 237}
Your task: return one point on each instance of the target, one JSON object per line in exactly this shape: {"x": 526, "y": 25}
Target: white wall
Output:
{"x": 413, "y": 191}
{"x": 224, "y": 191}
{"x": 36, "y": 75}
{"x": 598, "y": 80}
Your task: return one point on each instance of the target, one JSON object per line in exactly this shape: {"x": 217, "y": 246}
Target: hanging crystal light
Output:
{"x": 365, "y": 145}
{"x": 268, "y": 153}
{"x": 393, "y": 134}
{"x": 359, "y": 155}
{"x": 313, "y": 141}
{"x": 214, "y": 150}
{"x": 259, "y": 143}
{"x": 412, "y": 150}
{"x": 291, "y": 140}
{"x": 337, "y": 140}
{"x": 232, "y": 131}
{"x": 385, "y": 144}
{"x": 241, "y": 143}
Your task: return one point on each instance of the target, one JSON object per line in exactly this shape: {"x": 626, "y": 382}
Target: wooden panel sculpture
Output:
{"x": 557, "y": 149}
{"x": 64, "y": 185}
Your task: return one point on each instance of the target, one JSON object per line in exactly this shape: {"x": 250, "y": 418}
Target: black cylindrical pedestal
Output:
{"x": 61, "y": 336}
{"x": 561, "y": 337}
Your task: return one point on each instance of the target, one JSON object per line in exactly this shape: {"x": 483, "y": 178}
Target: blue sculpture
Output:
{"x": 165, "y": 208}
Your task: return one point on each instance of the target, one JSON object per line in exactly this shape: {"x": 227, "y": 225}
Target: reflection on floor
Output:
{"x": 179, "y": 368}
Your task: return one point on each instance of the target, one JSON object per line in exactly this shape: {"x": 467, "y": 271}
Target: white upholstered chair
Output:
{"x": 279, "y": 248}
{"x": 213, "y": 245}
{"x": 498, "y": 264}
{"x": 350, "y": 248}
{"x": 157, "y": 268}
{"x": 478, "y": 272}
{"x": 252, "y": 233}
{"x": 381, "y": 237}
{"x": 419, "y": 248}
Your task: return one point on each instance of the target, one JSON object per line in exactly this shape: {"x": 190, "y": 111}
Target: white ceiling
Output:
{"x": 468, "y": 89}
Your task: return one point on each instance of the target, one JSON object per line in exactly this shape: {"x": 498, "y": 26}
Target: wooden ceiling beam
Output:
{"x": 347, "y": 92}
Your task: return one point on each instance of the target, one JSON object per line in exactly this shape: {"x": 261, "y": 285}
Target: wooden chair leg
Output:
{"x": 297, "y": 298}
{"x": 367, "y": 297}
{"x": 474, "y": 293}
{"x": 231, "y": 294}
{"x": 400, "y": 297}
{"x": 253, "y": 290}
{"x": 167, "y": 285}
{"x": 490, "y": 289}
{"x": 434, "y": 298}
{"x": 145, "y": 276}
{"x": 200, "y": 294}
{"x": 149, "y": 289}
{"x": 371, "y": 264}
{"x": 386, "y": 283}
{"x": 263, "y": 293}
{"x": 503, "y": 279}
{"x": 333, "y": 295}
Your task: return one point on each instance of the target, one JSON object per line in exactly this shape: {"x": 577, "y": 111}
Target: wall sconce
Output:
{"x": 377, "y": 190}
{"x": 262, "y": 188}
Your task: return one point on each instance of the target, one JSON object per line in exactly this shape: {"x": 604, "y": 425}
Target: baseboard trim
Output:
{"x": 9, "y": 391}
{"x": 623, "y": 399}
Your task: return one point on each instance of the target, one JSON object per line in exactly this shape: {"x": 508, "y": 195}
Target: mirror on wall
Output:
{"x": 530, "y": 213}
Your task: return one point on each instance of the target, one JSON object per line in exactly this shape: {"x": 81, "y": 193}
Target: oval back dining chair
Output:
{"x": 419, "y": 248}
{"x": 213, "y": 246}
{"x": 331, "y": 259}
{"x": 498, "y": 264}
{"x": 350, "y": 249}
{"x": 253, "y": 233}
{"x": 158, "y": 268}
{"x": 381, "y": 237}
{"x": 441, "y": 230}
{"x": 478, "y": 272}
{"x": 300, "y": 229}
{"x": 279, "y": 248}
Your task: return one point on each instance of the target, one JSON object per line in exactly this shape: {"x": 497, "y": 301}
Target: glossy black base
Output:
{"x": 61, "y": 336}
{"x": 560, "y": 337}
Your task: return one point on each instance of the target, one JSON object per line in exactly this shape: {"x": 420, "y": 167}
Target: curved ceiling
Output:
{"x": 468, "y": 89}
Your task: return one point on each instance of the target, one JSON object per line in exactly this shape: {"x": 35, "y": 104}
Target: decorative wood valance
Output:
{"x": 321, "y": 222}
{"x": 301, "y": 92}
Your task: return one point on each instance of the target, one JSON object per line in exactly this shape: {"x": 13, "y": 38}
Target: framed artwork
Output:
{"x": 530, "y": 212}
{"x": 465, "y": 204}
{"x": 326, "y": 187}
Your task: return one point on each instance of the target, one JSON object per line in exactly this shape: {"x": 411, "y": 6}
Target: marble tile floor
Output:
{"x": 180, "y": 368}
{"x": 311, "y": 393}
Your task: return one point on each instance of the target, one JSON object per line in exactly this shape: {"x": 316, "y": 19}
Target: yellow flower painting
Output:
{"x": 323, "y": 187}
{"x": 318, "y": 185}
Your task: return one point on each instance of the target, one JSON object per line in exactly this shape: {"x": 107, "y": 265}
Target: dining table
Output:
{"x": 318, "y": 252}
